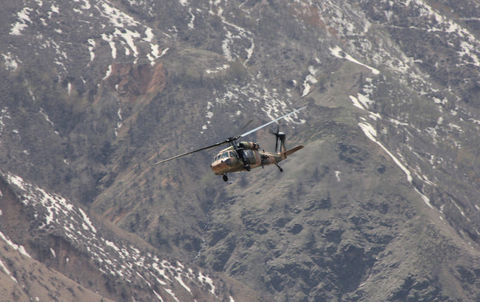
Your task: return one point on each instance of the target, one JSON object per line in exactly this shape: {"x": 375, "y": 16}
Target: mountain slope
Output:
{"x": 380, "y": 205}
{"x": 49, "y": 229}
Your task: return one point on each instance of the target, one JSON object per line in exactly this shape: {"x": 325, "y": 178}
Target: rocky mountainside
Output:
{"x": 81, "y": 263}
{"x": 381, "y": 204}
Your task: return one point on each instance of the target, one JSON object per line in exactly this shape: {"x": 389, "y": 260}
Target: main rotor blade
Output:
{"x": 246, "y": 125}
{"x": 194, "y": 151}
{"x": 271, "y": 122}
{"x": 231, "y": 139}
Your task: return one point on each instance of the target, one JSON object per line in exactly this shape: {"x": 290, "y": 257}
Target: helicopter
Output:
{"x": 245, "y": 155}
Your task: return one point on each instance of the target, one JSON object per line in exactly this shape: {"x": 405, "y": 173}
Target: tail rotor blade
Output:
{"x": 277, "y": 137}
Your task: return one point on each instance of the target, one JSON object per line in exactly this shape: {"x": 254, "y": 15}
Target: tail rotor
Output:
{"x": 279, "y": 136}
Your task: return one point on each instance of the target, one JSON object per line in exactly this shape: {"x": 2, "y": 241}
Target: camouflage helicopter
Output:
{"x": 244, "y": 156}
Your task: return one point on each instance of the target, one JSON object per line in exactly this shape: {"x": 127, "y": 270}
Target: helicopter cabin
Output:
{"x": 231, "y": 157}
{"x": 227, "y": 160}
{"x": 224, "y": 155}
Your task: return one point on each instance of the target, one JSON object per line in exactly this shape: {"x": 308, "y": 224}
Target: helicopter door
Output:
{"x": 249, "y": 156}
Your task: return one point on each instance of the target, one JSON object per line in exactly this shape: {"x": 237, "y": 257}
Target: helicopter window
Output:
{"x": 231, "y": 154}
{"x": 225, "y": 155}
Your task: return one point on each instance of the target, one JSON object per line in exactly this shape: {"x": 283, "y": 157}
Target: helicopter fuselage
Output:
{"x": 244, "y": 156}
{"x": 229, "y": 160}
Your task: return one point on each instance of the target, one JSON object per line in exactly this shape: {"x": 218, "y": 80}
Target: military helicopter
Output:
{"x": 244, "y": 156}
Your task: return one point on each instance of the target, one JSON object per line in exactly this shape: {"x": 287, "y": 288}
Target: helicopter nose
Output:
{"x": 218, "y": 167}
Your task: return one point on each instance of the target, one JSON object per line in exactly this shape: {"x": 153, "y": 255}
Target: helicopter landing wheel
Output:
{"x": 279, "y": 168}
{"x": 225, "y": 177}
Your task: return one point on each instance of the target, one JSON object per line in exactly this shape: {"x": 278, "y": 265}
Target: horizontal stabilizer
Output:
{"x": 287, "y": 153}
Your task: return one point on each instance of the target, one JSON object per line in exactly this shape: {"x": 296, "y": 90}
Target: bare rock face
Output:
{"x": 380, "y": 205}
{"x": 133, "y": 81}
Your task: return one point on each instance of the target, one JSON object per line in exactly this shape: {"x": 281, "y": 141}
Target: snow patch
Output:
{"x": 164, "y": 52}
{"x": 268, "y": 101}
{"x": 205, "y": 279}
{"x": 17, "y": 181}
{"x": 309, "y": 81}
{"x": 6, "y": 271}
{"x": 113, "y": 259}
{"x": 339, "y": 53}
{"x": 356, "y": 103}
{"x": 112, "y": 245}
{"x": 91, "y": 48}
{"x": 337, "y": 175}
{"x": 171, "y": 293}
{"x": 4, "y": 114}
{"x": 14, "y": 246}
{"x": 108, "y": 73}
{"x": 161, "y": 271}
{"x": 217, "y": 69}
{"x": 55, "y": 9}
{"x": 233, "y": 33}
{"x": 148, "y": 34}
{"x": 10, "y": 63}
{"x": 22, "y": 23}
{"x": 158, "y": 296}
{"x": 120, "y": 121}
{"x": 371, "y": 133}
{"x": 86, "y": 5}
{"x": 180, "y": 280}
{"x": 116, "y": 17}
{"x": 87, "y": 221}
{"x": 191, "y": 24}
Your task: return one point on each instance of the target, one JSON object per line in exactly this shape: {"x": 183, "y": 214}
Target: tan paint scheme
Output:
{"x": 224, "y": 164}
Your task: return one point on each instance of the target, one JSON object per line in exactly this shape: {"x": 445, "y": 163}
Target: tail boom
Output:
{"x": 291, "y": 151}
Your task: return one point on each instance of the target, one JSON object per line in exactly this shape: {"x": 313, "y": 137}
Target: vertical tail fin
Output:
{"x": 283, "y": 149}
